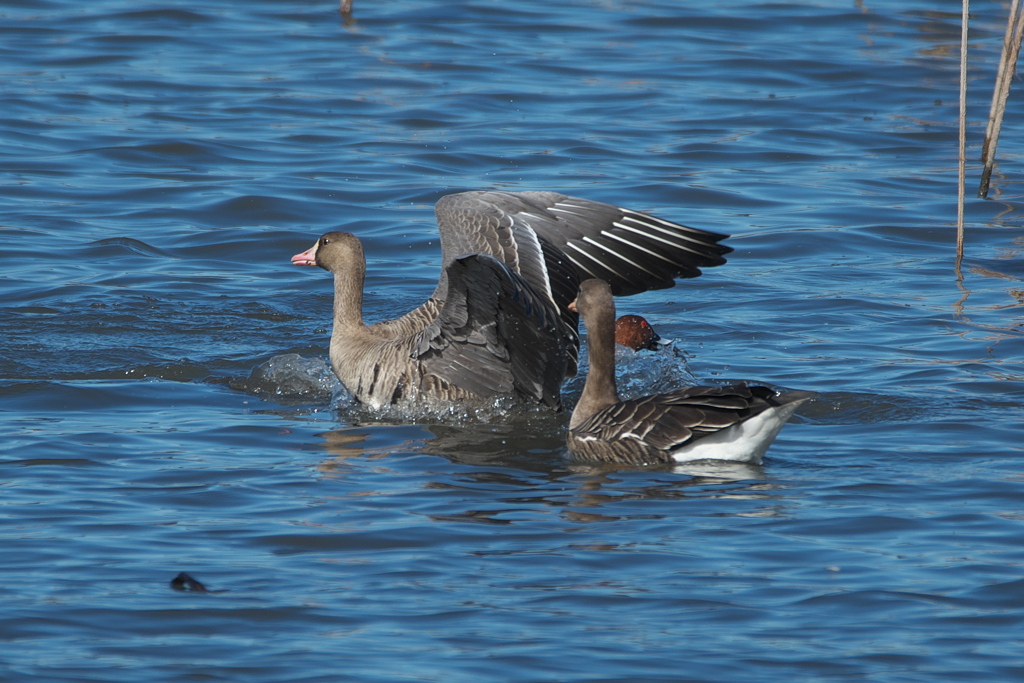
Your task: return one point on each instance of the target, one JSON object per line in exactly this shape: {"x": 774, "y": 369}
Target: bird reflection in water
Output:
{"x": 512, "y": 469}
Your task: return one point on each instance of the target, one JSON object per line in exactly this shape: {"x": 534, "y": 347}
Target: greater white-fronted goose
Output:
{"x": 498, "y": 323}
{"x": 736, "y": 422}
{"x": 634, "y": 332}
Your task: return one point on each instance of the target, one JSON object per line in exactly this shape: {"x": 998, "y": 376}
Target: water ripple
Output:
{"x": 166, "y": 404}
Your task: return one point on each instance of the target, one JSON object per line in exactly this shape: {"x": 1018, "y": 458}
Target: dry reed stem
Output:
{"x": 1002, "y": 81}
{"x": 1007, "y": 67}
{"x": 962, "y": 176}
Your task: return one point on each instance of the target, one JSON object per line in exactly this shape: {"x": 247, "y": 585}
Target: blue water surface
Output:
{"x": 165, "y": 405}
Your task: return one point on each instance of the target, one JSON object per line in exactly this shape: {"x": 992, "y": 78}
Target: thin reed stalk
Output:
{"x": 1002, "y": 82}
{"x": 963, "y": 137}
{"x": 1001, "y": 92}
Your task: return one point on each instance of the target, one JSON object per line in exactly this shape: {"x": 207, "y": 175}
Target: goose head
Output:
{"x": 334, "y": 252}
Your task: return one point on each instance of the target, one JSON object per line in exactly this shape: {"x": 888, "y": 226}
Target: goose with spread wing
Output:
{"x": 736, "y": 422}
{"x": 498, "y": 323}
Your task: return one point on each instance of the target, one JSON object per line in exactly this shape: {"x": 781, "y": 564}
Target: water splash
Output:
{"x": 293, "y": 376}
{"x": 640, "y": 373}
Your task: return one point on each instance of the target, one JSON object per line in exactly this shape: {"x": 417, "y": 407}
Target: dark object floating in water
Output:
{"x": 184, "y": 582}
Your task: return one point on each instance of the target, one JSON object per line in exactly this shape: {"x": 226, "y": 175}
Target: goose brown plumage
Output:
{"x": 736, "y": 422}
{"x": 498, "y": 322}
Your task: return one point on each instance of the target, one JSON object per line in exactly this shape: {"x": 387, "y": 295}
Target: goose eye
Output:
{"x": 324, "y": 240}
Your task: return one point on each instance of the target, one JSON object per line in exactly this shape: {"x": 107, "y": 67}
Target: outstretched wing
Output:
{"x": 495, "y": 335}
{"x": 632, "y": 251}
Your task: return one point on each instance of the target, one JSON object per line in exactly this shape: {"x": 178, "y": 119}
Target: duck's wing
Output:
{"x": 632, "y": 251}
{"x": 495, "y": 335}
{"x": 669, "y": 421}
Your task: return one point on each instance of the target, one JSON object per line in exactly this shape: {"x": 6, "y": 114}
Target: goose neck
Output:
{"x": 599, "y": 391}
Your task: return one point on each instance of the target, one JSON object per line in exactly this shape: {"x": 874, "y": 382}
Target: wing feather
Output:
{"x": 633, "y": 251}
{"x": 665, "y": 422}
{"x": 495, "y": 335}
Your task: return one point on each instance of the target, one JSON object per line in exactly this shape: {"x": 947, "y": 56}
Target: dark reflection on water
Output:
{"x": 522, "y": 482}
{"x": 164, "y": 406}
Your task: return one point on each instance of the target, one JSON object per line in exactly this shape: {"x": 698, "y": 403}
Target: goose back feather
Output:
{"x": 492, "y": 313}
